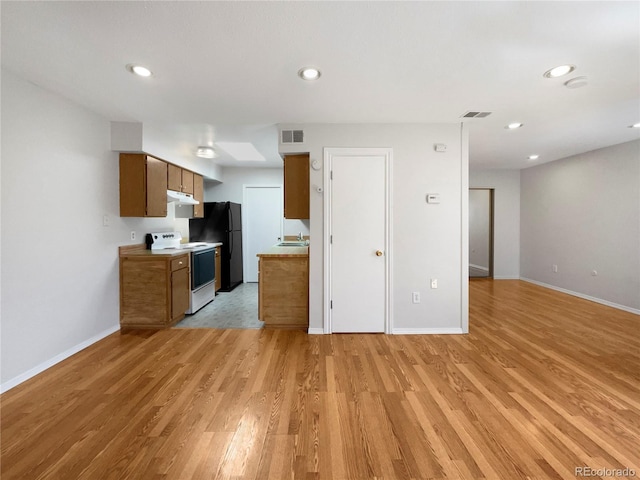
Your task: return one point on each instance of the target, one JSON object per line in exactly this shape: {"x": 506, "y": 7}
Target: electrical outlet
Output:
{"x": 133, "y": 235}
{"x": 416, "y": 297}
{"x": 434, "y": 283}
{"x": 554, "y": 268}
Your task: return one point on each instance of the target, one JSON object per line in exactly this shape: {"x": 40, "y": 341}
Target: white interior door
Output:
{"x": 358, "y": 246}
{"x": 262, "y": 217}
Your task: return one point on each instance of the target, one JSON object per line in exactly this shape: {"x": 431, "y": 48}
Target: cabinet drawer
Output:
{"x": 180, "y": 262}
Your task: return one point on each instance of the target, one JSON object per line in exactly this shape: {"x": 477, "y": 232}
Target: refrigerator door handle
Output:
{"x": 230, "y": 236}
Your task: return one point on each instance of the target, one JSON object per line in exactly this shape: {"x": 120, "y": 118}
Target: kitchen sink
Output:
{"x": 293, "y": 244}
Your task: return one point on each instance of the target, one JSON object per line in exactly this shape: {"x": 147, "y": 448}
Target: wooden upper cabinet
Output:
{"x": 296, "y": 186}
{"x": 143, "y": 186}
{"x": 174, "y": 178}
{"x": 187, "y": 181}
{"x": 198, "y": 194}
{"x": 144, "y": 181}
{"x": 179, "y": 179}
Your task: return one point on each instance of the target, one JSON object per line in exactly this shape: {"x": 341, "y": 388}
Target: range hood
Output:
{"x": 180, "y": 198}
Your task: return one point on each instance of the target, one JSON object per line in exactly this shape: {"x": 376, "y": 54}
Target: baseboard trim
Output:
{"x": 23, "y": 377}
{"x": 505, "y": 277}
{"x": 427, "y": 331}
{"x": 484, "y": 269}
{"x": 407, "y": 331}
{"x": 582, "y": 295}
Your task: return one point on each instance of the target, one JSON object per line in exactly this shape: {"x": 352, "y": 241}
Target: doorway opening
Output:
{"x": 481, "y": 224}
{"x": 261, "y": 217}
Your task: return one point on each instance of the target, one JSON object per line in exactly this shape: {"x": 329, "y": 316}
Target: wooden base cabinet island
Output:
{"x": 154, "y": 288}
{"x": 283, "y": 287}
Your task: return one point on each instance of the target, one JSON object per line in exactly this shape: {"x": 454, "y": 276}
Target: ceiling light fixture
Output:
{"x": 513, "y": 126}
{"x": 635, "y": 125}
{"x": 309, "y": 73}
{"x": 559, "y": 71}
{"x": 533, "y": 157}
{"x": 205, "y": 152}
{"x": 139, "y": 70}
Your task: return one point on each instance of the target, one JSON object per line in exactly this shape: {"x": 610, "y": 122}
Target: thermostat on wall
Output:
{"x": 433, "y": 198}
{"x": 440, "y": 147}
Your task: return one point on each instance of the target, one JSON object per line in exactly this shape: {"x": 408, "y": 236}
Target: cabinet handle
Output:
{"x": 179, "y": 263}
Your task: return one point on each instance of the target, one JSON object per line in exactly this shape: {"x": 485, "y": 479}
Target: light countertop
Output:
{"x": 277, "y": 251}
{"x": 168, "y": 252}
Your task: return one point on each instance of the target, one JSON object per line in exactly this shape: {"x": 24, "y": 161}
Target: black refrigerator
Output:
{"x": 222, "y": 222}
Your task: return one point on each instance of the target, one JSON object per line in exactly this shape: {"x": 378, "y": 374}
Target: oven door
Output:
{"x": 203, "y": 268}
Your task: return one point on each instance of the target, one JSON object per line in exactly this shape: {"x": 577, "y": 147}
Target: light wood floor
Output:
{"x": 544, "y": 383}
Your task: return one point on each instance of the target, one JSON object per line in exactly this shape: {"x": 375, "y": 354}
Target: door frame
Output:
{"x": 492, "y": 192}
{"x": 328, "y": 154}
{"x": 245, "y": 217}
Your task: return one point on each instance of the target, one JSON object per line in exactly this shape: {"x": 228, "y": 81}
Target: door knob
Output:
{"x": 378, "y": 253}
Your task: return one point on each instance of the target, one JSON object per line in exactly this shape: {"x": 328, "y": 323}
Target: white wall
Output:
{"x": 230, "y": 190}
{"x": 582, "y": 213}
{"x": 59, "y": 263}
{"x": 429, "y": 240}
{"x": 506, "y": 215}
{"x": 479, "y": 228}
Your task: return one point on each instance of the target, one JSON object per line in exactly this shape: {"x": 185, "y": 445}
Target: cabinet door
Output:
{"x": 260, "y": 292}
{"x": 179, "y": 292}
{"x": 187, "y": 181}
{"x": 156, "y": 187}
{"x": 174, "y": 178}
{"x": 198, "y": 194}
{"x": 296, "y": 186}
{"x": 133, "y": 196}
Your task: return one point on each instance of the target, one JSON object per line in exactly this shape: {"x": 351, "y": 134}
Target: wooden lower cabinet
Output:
{"x": 283, "y": 291}
{"x": 154, "y": 290}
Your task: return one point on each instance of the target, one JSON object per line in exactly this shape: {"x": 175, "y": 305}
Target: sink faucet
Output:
{"x": 300, "y": 237}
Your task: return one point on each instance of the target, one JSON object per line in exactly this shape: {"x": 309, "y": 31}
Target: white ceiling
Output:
{"x": 228, "y": 70}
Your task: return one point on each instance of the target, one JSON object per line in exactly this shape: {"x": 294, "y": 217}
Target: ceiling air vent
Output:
{"x": 292, "y": 136}
{"x": 476, "y": 114}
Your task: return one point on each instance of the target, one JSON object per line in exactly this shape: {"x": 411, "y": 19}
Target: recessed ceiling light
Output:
{"x": 309, "y": 73}
{"x": 513, "y": 126}
{"x": 635, "y": 125}
{"x": 534, "y": 157}
{"x": 139, "y": 70}
{"x": 205, "y": 152}
{"x": 559, "y": 71}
